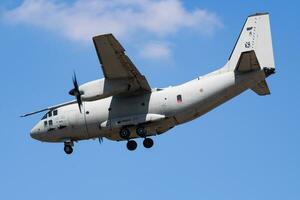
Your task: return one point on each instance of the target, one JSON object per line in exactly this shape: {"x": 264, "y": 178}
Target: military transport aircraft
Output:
{"x": 122, "y": 106}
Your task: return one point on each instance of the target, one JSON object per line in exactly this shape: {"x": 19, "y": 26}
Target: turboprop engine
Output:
{"x": 103, "y": 88}
{"x": 98, "y": 89}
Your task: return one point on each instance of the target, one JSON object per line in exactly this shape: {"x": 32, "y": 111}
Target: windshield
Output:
{"x": 45, "y": 116}
{"x": 50, "y": 114}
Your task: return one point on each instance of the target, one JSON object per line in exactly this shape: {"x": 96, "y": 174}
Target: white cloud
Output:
{"x": 156, "y": 50}
{"x": 82, "y": 19}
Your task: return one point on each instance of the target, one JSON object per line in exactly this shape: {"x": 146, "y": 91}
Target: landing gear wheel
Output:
{"x": 131, "y": 145}
{"x": 124, "y": 133}
{"x": 148, "y": 143}
{"x": 141, "y": 132}
{"x": 68, "y": 149}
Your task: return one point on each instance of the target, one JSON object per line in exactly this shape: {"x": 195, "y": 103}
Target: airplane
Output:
{"x": 123, "y": 107}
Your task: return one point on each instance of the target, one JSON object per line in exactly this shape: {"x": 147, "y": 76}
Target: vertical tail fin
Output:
{"x": 254, "y": 37}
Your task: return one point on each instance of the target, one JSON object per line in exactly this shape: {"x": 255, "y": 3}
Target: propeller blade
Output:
{"x": 79, "y": 101}
{"x": 75, "y": 83}
{"x": 75, "y": 92}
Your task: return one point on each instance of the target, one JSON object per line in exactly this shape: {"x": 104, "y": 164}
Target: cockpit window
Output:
{"x": 50, "y": 122}
{"x": 54, "y": 112}
{"x": 45, "y": 123}
{"x": 50, "y": 114}
{"x": 45, "y": 116}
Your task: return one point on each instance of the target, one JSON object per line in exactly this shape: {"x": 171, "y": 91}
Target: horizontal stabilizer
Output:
{"x": 261, "y": 88}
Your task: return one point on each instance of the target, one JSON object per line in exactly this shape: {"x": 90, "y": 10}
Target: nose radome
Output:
{"x": 34, "y": 133}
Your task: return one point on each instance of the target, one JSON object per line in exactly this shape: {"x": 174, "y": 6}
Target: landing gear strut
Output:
{"x": 68, "y": 147}
{"x": 148, "y": 143}
{"x": 131, "y": 145}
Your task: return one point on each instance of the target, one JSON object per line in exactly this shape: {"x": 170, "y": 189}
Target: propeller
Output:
{"x": 75, "y": 92}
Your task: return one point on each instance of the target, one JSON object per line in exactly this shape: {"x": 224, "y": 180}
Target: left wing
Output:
{"x": 116, "y": 64}
{"x": 49, "y": 108}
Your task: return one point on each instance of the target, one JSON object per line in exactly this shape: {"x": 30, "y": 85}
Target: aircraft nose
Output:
{"x": 35, "y": 133}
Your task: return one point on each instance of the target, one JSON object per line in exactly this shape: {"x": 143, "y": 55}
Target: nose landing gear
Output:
{"x": 68, "y": 147}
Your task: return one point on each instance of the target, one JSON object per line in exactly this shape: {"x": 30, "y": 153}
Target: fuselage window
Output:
{"x": 50, "y": 114}
{"x": 54, "y": 112}
{"x": 45, "y": 123}
{"x": 50, "y": 122}
{"x": 179, "y": 98}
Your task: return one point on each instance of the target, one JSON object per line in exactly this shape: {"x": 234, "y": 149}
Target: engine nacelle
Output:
{"x": 103, "y": 88}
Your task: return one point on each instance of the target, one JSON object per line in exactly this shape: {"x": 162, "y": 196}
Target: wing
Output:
{"x": 116, "y": 64}
{"x": 50, "y": 108}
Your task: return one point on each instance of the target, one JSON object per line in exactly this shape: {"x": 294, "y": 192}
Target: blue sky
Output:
{"x": 246, "y": 149}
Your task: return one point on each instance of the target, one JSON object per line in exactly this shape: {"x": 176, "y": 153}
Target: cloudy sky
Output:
{"x": 144, "y": 21}
{"x": 246, "y": 149}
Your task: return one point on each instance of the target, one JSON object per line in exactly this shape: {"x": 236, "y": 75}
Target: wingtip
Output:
{"x": 259, "y": 14}
{"x": 102, "y": 35}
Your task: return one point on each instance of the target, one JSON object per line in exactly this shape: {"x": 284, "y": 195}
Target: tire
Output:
{"x": 131, "y": 145}
{"x": 68, "y": 149}
{"x": 141, "y": 132}
{"x": 148, "y": 143}
{"x": 124, "y": 133}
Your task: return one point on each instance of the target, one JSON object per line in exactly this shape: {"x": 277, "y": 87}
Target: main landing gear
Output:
{"x": 141, "y": 131}
{"x": 148, "y": 143}
{"x": 68, "y": 147}
{"x": 131, "y": 144}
